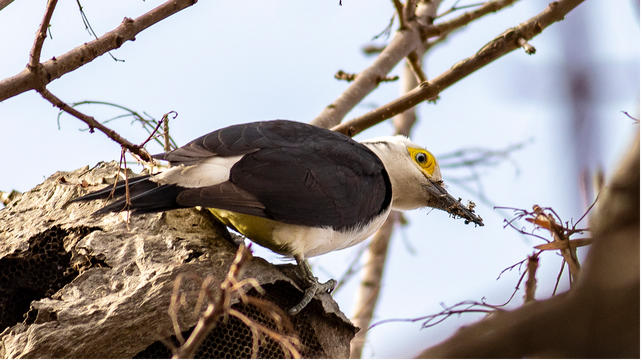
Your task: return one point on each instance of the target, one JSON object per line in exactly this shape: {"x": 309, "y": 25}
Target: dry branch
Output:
{"x": 41, "y": 35}
{"x": 498, "y": 47}
{"x": 368, "y": 292}
{"x": 4, "y": 3}
{"x": 599, "y": 318}
{"x": 377, "y": 252}
{"x": 93, "y": 123}
{"x": 417, "y": 31}
{"x": 44, "y": 73}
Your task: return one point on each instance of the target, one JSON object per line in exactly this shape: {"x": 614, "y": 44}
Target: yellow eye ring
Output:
{"x": 424, "y": 159}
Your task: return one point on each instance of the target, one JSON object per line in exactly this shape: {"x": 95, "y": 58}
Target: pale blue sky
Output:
{"x": 221, "y": 62}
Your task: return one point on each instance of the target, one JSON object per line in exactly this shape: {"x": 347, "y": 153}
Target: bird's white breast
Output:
{"x": 313, "y": 241}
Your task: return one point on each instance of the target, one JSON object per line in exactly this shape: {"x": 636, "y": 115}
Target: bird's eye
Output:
{"x": 424, "y": 160}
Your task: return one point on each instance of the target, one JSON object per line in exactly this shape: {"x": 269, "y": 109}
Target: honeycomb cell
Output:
{"x": 233, "y": 339}
{"x": 33, "y": 274}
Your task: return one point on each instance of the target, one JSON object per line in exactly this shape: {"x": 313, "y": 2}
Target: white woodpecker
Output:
{"x": 294, "y": 188}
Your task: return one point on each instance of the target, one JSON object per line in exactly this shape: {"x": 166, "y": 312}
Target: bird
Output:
{"x": 294, "y": 188}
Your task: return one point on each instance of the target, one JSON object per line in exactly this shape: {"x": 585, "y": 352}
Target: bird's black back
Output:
{"x": 290, "y": 172}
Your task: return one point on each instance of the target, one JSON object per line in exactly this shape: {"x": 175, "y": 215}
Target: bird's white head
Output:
{"x": 409, "y": 166}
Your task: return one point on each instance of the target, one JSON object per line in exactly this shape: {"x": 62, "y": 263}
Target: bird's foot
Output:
{"x": 312, "y": 290}
{"x": 313, "y": 286}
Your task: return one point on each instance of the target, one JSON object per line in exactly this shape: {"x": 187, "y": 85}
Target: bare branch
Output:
{"x": 417, "y": 31}
{"x": 400, "y": 13}
{"x": 90, "y": 29}
{"x": 372, "y": 273}
{"x": 414, "y": 62}
{"x": 455, "y": 8}
{"x": 41, "y": 35}
{"x": 466, "y": 18}
{"x": 4, "y": 3}
{"x": 56, "y": 67}
{"x": 599, "y": 318}
{"x": 92, "y": 123}
{"x": 409, "y": 9}
{"x": 498, "y": 47}
{"x": 531, "y": 281}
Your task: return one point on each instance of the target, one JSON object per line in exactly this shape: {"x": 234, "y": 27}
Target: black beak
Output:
{"x": 446, "y": 202}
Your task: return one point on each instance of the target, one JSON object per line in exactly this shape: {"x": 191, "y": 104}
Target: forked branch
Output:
{"x": 37, "y": 76}
{"x": 498, "y": 47}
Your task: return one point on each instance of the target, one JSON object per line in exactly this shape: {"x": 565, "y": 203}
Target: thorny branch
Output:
{"x": 498, "y": 47}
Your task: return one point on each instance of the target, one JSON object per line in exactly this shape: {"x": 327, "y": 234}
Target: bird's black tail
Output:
{"x": 146, "y": 196}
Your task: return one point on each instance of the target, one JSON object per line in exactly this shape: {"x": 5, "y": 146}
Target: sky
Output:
{"x": 220, "y": 63}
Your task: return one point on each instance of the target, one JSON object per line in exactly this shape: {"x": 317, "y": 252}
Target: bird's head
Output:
{"x": 416, "y": 178}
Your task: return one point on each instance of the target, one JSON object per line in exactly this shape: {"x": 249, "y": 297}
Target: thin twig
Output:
{"x": 89, "y": 29}
{"x": 400, "y": 14}
{"x": 58, "y": 66}
{"x": 93, "y": 124}
{"x": 148, "y": 124}
{"x": 455, "y": 8}
{"x": 498, "y": 47}
{"x": 434, "y": 319}
{"x": 414, "y": 61}
{"x": 419, "y": 29}
{"x": 41, "y": 35}
{"x": 168, "y": 139}
{"x": 287, "y": 343}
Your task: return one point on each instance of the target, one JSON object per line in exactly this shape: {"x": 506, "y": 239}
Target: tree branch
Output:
{"x": 417, "y": 31}
{"x": 600, "y": 318}
{"x": 400, "y": 12}
{"x": 56, "y": 67}
{"x": 93, "y": 123}
{"x": 498, "y": 47}
{"x": 368, "y": 292}
{"x": 41, "y": 35}
{"x": 466, "y": 18}
{"x": 377, "y": 252}
{"x": 4, "y": 3}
